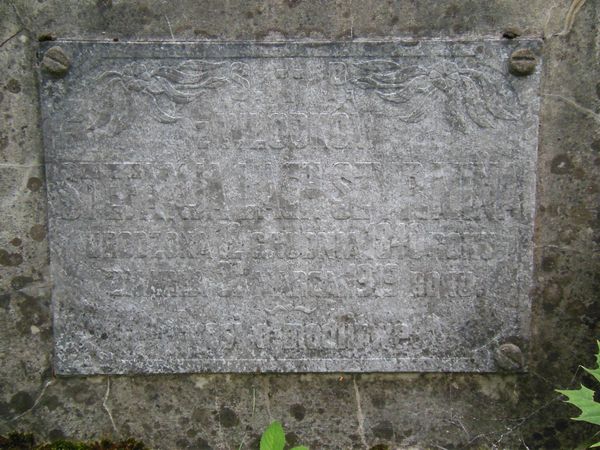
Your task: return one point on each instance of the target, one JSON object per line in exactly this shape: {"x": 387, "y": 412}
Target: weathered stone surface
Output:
{"x": 495, "y": 410}
{"x": 298, "y": 207}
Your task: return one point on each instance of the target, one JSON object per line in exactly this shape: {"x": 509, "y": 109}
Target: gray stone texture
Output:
{"x": 327, "y": 410}
{"x": 307, "y": 207}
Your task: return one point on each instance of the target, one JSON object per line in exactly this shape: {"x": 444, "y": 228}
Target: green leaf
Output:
{"x": 595, "y": 372}
{"x": 300, "y": 447}
{"x": 273, "y": 438}
{"x": 583, "y": 398}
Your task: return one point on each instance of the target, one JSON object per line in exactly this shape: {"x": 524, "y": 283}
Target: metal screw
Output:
{"x": 56, "y": 61}
{"x": 509, "y": 357}
{"x": 511, "y": 33}
{"x": 522, "y": 62}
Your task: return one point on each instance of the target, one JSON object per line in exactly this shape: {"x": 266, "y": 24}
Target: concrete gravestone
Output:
{"x": 238, "y": 207}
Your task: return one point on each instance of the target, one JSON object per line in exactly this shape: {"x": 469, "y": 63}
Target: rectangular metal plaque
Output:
{"x": 298, "y": 206}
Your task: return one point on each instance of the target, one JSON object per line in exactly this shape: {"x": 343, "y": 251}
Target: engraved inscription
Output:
{"x": 291, "y": 190}
{"x": 302, "y": 207}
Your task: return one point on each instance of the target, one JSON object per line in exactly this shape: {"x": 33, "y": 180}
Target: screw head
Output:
{"x": 509, "y": 357}
{"x": 56, "y": 62}
{"x": 511, "y": 33}
{"x": 522, "y": 62}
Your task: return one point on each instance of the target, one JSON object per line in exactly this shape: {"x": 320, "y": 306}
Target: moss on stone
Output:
{"x": 26, "y": 441}
{"x": 17, "y": 441}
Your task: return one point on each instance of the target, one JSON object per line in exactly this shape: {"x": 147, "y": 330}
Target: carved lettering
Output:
{"x": 289, "y": 207}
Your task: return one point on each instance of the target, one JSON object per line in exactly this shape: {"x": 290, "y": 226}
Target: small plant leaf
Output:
{"x": 273, "y": 438}
{"x": 595, "y": 372}
{"x": 583, "y": 398}
{"x": 300, "y": 447}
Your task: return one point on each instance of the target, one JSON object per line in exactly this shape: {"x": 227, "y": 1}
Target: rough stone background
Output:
{"x": 323, "y": 411}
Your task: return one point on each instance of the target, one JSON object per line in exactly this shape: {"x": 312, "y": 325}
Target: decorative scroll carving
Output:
{"x": 480, "y": 94}
{"x": 163, "y": 91}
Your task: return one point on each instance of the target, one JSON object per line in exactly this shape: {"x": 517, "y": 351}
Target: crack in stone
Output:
{"x": 594, "y": 115}
{"x": 170, "y": 29}
{"x": 37, "y": 400}
{"x": 219, "y": 426}
{"x": 24, "y": 27}
{"x": 522, "y": 421}
{"x": 9, "y": 38}
{"x": 105, "y": 406}
{"x": 19, "y": 166}
{"x": 360, "y": 417}
{"x": 549, "y": 15}
{"x": 574, "y": 9}
{"x": 351, "y": 20}
{"x": 253, "y": 401}
{"x": 562, "y": 248}
{"x": 18, "y": 192}
{"x": 267, "y": 386}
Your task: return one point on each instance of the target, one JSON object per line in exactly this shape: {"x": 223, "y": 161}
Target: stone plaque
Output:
{"x": 289, "y": 207}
